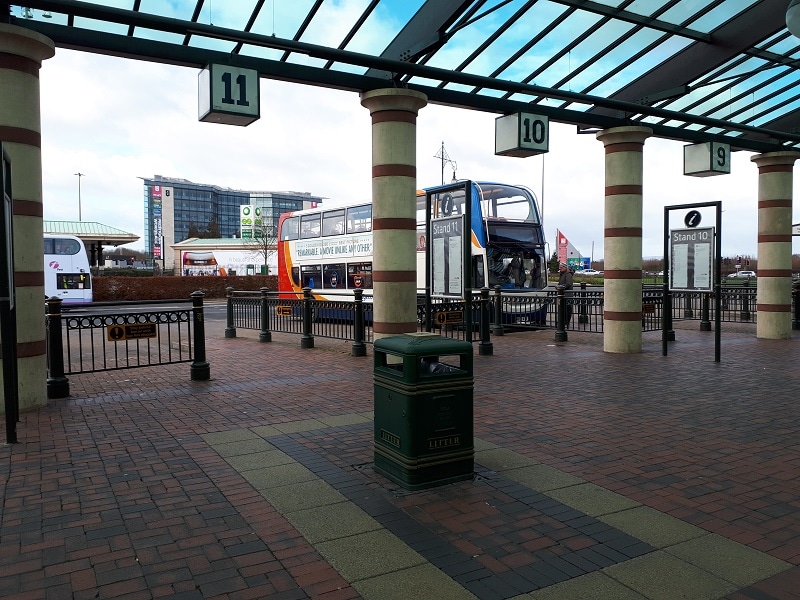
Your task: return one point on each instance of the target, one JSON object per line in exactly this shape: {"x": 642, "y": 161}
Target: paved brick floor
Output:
{"x": 597, "y": 476}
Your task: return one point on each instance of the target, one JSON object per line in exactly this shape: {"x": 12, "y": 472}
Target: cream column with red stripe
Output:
{"x": 622, "y": 254}
{"x": 774, "y": 295}
{"x": 21, "y": 55}
{"x": 394, "y": 222}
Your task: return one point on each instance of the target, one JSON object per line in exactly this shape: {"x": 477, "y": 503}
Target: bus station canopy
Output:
{"x": 91, "y": 232}
{"x": 693, "y": 70}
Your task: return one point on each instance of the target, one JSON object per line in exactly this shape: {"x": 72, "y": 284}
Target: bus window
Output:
{"x": 61, "y": 246}
{"x": 507, "y": 202}
{"x": 449, "y": 203}
{"x": 311, "y": 276}
{"x": 296, "y": 275}
{"x": 421, "y": 205}
{"x": 359, "y": 275}
{"x": 73, "y": 281}
{"x": 309, "y": 226}
{"x": 359, "y": 219}
{"x": 290, "y": 229}
{"x": 334, "y": 276}
{"x": 478, "y": 272}
{"x": 333, "y": 222}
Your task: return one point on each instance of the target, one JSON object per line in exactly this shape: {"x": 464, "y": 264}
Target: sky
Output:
{"x": 117, "y": 120}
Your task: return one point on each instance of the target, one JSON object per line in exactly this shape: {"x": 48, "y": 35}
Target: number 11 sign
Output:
{"x": 228, "y": 95}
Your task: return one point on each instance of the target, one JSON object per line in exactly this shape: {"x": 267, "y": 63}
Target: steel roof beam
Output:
{"x": 735, "y": 37}
{"x": 637, "y": 19}
{"x": 187, "y": 56}
{"x": 423, "y": 33}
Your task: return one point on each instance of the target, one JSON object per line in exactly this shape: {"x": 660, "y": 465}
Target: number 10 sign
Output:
{"x": 521, "y": 134}
{"x": 228, "y": 95}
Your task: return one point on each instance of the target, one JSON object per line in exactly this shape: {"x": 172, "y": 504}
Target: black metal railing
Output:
{"x": 106, "y": 337}
{"x": 492, "y": 312}
{"x": 345, "y": 317}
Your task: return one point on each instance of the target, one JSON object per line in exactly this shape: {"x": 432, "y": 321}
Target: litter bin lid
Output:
{"x": 422, "y": 344}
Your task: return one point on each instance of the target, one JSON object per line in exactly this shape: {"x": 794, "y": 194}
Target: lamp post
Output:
{"x": 79, "y": 194}
{"x": 163, "y": 256}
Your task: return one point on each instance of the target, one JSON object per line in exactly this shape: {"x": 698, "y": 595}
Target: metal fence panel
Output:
{"x": 104, "y": 342}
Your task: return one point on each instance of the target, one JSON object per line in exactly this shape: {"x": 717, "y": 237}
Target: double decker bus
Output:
{"x": 66, "y": 269}
{"x": 330, "y": 249}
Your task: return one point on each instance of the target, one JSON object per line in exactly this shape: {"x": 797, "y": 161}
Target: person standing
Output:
{"x": 565, "y": 280}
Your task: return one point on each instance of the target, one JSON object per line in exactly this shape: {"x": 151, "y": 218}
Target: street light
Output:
{"x": 79, "y": 194}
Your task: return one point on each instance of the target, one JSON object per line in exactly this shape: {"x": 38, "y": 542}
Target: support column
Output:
{"x": 21, "y": 55}
{"x": 394, "y": 220}
{"x": 622, "y": 256}
{"x": 774, "y": 296}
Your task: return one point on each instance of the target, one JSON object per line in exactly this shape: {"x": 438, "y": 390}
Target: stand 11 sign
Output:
{"x": 691, "y": 251}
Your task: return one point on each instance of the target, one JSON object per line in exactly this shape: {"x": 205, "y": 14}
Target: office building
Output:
{"x": 177, "y": 209}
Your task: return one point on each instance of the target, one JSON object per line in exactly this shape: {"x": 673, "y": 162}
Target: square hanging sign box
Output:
{"x": 228, "y": 95}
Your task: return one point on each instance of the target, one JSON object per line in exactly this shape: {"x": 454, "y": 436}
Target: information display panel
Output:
{"x": 692, "y": 264}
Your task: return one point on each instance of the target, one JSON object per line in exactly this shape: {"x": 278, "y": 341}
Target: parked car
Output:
{"x": 589, "y": 273}
{"x": 742, "y": 275}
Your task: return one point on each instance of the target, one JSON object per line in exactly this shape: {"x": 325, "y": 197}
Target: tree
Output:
{"x": 264, "y": 243}
{"x": 552, "y": 264}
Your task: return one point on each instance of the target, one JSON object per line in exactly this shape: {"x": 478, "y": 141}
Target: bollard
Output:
{"x": 200, "y": 369}
{"x": 583, "y": 317}
{"x": 745, "y": 315}
{"x": 230, "y": 330}
{"x": 796, "y": 294}
{"x": 359, "y": 348}
{"x": 497, "y": 326}
{"x": 265, "y": 335}
{"x": 670, "y": 332}
{"x": 561, "y": 314}
{"x": 485, "y": 347}
{"x": 57, "y": 383}
{"x": 705, "y": 318}
{"x": 307, "y": 340}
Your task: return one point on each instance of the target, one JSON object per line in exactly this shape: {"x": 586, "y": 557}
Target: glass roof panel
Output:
{"x": 709, "y": 21}
{"x": 102, "y": 26}
{"x": 467, "y": 39}
{"x": 333, "y": 21}
{"x": 611, "y": 62}
{"x": 617, "y": 43}
{"x": 383, "y": 24}
{"x": 177, "y": 9}
{"x": 536, "y": 58}
{"x": 749, "y": 72}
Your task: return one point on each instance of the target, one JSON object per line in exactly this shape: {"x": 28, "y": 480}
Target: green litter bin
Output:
{"x": 423, "y": 410}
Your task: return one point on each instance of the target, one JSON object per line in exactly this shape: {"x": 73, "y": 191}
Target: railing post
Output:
{"x": 200, "y": 369}
{"x": 497, "y": 326}
{"x": 583, "y": 317}
{"x": 57, "y": 383}
{"x": 745, "y": 314}
{"x": 705, "y": 316}
{"x": 688, "y": 311}
{"x": 265, "y": 335}
{"x": 307, "y": 340}
{"x": 670, "y": 332}
{"x": 561, "y": 314}
{"x": 485, "y": 347}
{"x": 796, "y": 294}
{"x": 359, "y": 348}
{"x": 230, "y": 330}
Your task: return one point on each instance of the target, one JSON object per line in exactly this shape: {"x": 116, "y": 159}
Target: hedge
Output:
{"x": 110, "y": 289}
